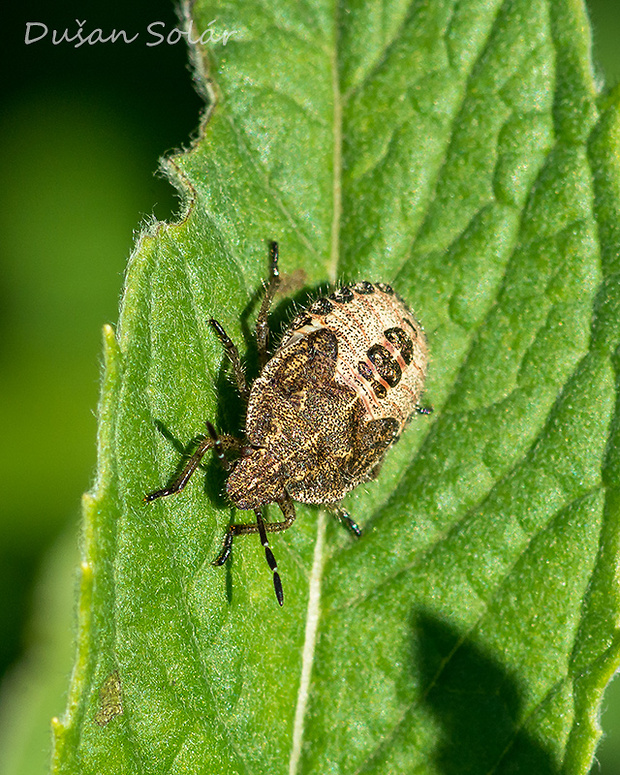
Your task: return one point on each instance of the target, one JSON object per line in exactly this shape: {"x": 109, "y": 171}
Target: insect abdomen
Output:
{"x": 382, "y": 350}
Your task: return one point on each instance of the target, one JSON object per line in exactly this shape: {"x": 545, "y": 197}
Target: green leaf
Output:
{"x": 460, "y": 151}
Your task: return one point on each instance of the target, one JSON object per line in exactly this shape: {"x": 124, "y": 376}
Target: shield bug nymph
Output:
{"x": 344, "y": 382}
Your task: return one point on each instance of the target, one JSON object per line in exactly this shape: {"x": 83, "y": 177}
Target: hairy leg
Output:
{"x": 219, "y": 443}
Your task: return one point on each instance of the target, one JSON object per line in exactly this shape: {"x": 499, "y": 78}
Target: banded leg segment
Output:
{"x": 271, "y": 560}
{"x": 220, "y": 443}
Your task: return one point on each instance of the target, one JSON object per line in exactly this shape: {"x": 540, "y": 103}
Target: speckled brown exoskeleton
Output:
{"x": 337, "y": 393}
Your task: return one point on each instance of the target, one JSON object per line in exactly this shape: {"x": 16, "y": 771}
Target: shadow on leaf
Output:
{"x": 477, "y": 704}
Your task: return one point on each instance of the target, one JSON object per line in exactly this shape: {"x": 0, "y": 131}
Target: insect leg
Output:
{"x": 423, "y": 409}
{"x": 220, "y": 443}
{"x": 262, "y": 324}
{"x": 226, "y": 549}
{"x": 287, "y": 507}
{"x": 233, "y": 354}
{"x": 262, "y": 528}
{"x": 343, "y": 516}
{"x": 244, "y": 528}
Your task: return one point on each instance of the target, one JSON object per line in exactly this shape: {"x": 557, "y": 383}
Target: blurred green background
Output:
{"x": 81, "y": 130}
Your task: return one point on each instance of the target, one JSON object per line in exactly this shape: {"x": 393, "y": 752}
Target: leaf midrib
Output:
{"x": 318, "y": 563}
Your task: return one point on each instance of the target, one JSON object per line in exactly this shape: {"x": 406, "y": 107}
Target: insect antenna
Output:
{"x": 271, "y": 560}
{"x": 218, "y": 449}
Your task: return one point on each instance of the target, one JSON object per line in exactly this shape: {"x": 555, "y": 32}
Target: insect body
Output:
{"x": 337, "y": 393}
